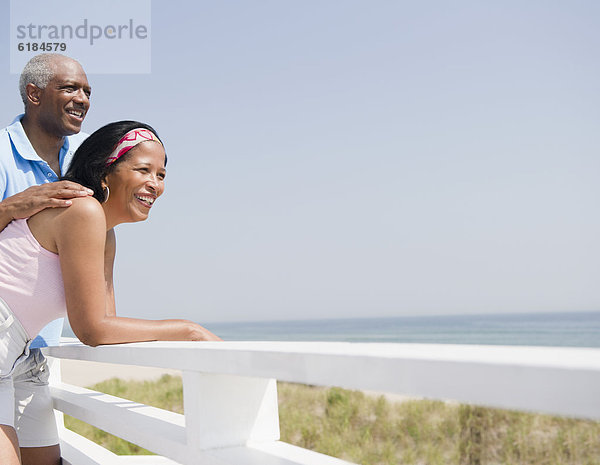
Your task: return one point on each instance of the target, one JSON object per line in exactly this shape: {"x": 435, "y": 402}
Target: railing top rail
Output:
{"x": 551, "y": 379}
{"x": 191, "y": 355}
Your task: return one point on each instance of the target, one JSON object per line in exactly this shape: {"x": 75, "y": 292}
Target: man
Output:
{"x": 34, "y": 151}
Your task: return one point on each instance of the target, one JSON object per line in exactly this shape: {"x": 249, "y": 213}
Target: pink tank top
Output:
{"x": 30, "y": 278}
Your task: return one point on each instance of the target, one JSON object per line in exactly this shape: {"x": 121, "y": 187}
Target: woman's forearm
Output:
{"x": 82, "y": 242}
{"x": 116, "y": 330}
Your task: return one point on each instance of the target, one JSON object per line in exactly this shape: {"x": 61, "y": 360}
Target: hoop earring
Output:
{"x": 106, "y": 192}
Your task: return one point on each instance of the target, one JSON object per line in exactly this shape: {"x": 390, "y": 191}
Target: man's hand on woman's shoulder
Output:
{"x": 37, "y": 198}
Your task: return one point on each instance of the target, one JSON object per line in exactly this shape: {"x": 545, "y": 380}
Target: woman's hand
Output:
{"x": 195, "y": 332}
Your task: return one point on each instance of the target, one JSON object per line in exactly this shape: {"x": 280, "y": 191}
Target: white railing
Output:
{"x": 230, "y": 393}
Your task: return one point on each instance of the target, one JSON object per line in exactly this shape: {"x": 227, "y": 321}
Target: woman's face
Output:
{"x": 136, "y": 182}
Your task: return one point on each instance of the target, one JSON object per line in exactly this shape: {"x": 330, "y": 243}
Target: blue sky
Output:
{"x": 351, "y": 159}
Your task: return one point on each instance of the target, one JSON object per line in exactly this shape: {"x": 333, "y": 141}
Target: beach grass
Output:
{"x": 372, "y": 430}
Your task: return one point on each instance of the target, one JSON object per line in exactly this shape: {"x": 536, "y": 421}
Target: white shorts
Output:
{"x": 25, "y": 402}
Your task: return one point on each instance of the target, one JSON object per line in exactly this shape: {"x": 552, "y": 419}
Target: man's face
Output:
{"x": 65, "y": 101}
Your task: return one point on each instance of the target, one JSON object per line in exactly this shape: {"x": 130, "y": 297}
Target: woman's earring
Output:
{"x": 106, "y": 192}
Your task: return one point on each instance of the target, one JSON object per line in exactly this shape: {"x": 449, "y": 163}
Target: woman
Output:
{"x": 54, "y": 262}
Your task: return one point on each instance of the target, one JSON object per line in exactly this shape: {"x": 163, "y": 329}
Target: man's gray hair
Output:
{"x": 38, "y": 71}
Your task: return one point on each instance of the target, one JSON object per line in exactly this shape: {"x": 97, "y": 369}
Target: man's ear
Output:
{"x": 34, "y": 94}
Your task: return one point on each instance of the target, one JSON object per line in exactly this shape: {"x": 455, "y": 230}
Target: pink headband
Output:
{"x": 129, "y": 141}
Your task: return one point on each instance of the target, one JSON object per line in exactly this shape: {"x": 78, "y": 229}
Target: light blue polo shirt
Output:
{"x": 20, "y": 168}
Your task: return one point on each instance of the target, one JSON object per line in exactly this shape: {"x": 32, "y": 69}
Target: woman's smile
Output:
{"x": 145, "y": 199}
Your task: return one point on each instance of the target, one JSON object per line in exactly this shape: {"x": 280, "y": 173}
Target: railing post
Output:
{"x": 227, "y": 410}
{"x": 56, "y": 378}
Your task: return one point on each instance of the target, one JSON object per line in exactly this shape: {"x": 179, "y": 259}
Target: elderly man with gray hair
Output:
{"x": 35, "y": 150}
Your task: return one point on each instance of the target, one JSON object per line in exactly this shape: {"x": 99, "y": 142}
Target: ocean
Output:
{"x": 573, "y": 329}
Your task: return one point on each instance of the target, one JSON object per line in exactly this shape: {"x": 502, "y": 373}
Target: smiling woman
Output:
{"x": 133, "y": 173}
{"x": 60, "y": 260}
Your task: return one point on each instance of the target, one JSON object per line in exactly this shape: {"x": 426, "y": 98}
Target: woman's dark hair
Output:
{"x": 88, "y": 167}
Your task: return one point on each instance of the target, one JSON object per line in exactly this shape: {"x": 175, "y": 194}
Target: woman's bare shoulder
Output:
{"x": 86, "y": 205}
{"x": 84, "y": 216}
{"x": 82, "y": 210}
{"x": 81, "y": 206}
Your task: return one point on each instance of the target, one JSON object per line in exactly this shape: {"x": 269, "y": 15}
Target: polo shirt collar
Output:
{"x": 23, "y": 145}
